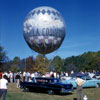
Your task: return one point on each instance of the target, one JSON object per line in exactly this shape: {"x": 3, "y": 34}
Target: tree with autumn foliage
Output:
{"x": 41, "y": 64}
{"x": 30, "y": 64}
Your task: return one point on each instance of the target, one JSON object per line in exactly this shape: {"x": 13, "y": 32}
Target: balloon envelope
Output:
{"x": 44, "y": 29}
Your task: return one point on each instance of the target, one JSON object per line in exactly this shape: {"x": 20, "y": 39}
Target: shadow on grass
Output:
{"x": 45, "y": 92}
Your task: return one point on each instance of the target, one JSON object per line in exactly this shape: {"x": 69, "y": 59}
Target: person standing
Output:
{"x": 18, "y": 78}
{"x": 0, "y": 75}
{"x": 11, "y": 77}
{"x": 14, "y": 77}
{"x": 3, "y": 87}
{"x": 79, "y": 83}
{"x": 24, "y": 75}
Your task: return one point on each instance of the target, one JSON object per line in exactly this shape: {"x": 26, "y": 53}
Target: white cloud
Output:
{"x": 42, "y": 21}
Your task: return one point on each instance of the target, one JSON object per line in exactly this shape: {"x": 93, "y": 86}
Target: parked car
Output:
{"x": 90, "y": 82}
{"x": 49, "y": 85}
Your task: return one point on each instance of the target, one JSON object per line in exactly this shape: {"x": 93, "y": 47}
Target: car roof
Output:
{"x": 79, "y": 74}
{"x": 47, "y": 78}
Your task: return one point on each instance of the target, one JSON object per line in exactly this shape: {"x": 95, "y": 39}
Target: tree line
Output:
{"x": 86, "y": 61}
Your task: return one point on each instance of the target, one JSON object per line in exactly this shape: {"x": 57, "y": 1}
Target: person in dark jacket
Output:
{"x": 18, "y": 78}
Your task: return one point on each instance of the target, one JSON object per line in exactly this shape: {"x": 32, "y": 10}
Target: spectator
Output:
{"x": 36, "y": 74}
{"x": 14, "y": 77}
{"x": 66, "y": 74}
{"x": 32, "y": 75}
{"x": 30, "y": 79}
{"x": 0, "y": 74}
{"x": 8, "y": 76}
{"x": 3, "y": 87}
{"x": 18, "y": 80}
{"x": 24, "y": 75}
{"x": 55, "y": 74}
{"x": 27, "y": 76}
{"x": 72, "y": 72}
{"x": 11, "y": 77}
{"x": 79, "y": 83}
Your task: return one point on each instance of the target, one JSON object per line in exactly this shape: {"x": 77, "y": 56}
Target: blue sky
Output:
{"x": 82, "y": 18}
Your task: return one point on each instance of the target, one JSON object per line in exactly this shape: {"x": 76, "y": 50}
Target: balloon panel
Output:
{"x": 44, "y": 29}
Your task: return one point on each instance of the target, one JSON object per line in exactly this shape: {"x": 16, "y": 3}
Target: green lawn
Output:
{"x": 17, "y": 94}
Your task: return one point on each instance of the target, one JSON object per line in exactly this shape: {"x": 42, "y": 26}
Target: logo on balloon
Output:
{"x": 44, "y": 29}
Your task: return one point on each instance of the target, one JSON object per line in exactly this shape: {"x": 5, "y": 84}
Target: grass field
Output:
{"x": 17, "y": 94}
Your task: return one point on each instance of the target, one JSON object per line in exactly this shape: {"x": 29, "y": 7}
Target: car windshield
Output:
{"x": 47, "y": 80}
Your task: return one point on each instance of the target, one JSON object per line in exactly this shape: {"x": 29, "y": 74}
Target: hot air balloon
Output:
{"x": 44, "y": 29}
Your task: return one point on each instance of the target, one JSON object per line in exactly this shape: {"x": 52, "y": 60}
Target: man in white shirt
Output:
{"x": 79, "y": 83}
{"x": 24, "y": 75}
{"x": 3, "y": 87}
{"x": 11, "y": 77}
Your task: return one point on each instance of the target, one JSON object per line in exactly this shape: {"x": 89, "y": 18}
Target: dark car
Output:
{"x": 49, "y": 85}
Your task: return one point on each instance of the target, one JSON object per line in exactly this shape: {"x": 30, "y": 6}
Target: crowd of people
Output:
{"x": 16, "y": 77}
